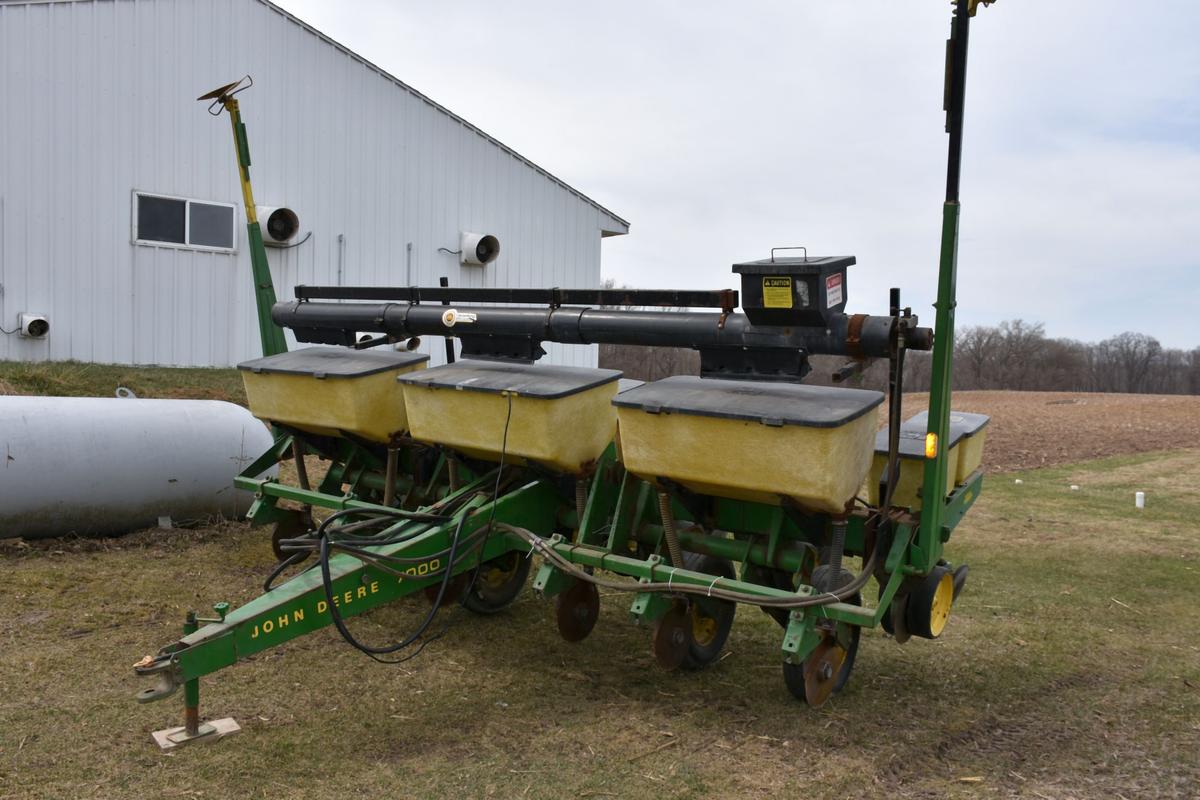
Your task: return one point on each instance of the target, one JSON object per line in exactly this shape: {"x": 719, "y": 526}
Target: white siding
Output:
{"x": 99, "y": 102}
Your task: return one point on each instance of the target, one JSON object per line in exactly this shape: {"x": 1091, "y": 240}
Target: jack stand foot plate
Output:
{"x": 170, "y": 738}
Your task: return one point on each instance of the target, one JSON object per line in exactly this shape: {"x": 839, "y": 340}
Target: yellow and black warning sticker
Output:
{"x": 777, "y": 292}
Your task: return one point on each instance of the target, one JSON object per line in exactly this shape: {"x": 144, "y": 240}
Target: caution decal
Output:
{"x": 777, "y": 292}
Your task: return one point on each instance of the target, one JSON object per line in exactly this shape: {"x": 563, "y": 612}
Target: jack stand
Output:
{"x": 192, "y": 729}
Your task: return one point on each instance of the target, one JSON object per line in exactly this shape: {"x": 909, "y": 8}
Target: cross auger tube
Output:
{"x": 743, "y": 486}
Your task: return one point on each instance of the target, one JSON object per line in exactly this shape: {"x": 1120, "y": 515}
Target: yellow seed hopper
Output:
{"x": 332, "y": 390}
{"x": 750, "y": 440}
{"x": 561, "y": 417}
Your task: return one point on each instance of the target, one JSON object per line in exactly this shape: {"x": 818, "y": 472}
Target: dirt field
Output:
{"x": 1041, "y": 429}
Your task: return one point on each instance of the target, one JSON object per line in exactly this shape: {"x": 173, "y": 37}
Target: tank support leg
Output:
{"x": 193, "y": 730}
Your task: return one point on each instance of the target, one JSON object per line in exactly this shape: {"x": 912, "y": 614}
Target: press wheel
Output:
{"x": 576, "y": 610}
{"x": 498, "y": 583}
{"x": 292, "y": 525}
{"x": 672, "y": 635}
{"x": 709, "y": 619}
{"x": 827, "y": 669}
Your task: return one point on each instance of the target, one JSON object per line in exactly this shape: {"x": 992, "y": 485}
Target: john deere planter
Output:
{"x": 694, "y": 495}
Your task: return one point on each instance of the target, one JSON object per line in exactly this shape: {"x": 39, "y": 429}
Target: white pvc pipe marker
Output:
{"x": 1139, "y": 499}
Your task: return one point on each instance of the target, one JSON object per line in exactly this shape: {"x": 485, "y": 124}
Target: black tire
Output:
{"x": 292, "y": 525}
{"x": 929, "y": 604}
{"x": 793, "y": 674}
{"x": 711, "y": 619}
{"x": 886, "y": 621}
{"x": 960, "y": 579}
{"x": 498, "y": 583}
{"x": 822, "y": 578}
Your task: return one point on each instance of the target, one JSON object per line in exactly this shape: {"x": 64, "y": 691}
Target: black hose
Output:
{"x": 335, "y": 615}
{"x": 294, "y": 558}
{"x": 495, "y": 497}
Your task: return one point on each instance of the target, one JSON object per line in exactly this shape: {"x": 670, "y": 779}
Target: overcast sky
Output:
{"x": 720, "y": 130}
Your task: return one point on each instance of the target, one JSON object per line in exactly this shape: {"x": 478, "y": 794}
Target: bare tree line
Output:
{"x": 1018, "y": 355}
{"x": 1013, "y": 355}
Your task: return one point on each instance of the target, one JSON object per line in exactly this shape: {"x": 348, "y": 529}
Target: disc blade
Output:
{"x": 576, "y": 611}
{"x": 821, "y": 670}
{"x": 670, "y": 640}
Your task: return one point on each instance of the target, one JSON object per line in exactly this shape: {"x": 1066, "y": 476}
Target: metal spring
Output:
{"x": 837, "y": 546}
{"x": 668, "y": 523}
{"x": 581, "y": 496}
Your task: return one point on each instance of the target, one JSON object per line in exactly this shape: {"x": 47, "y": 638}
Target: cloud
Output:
{"x": 720, "y": 131}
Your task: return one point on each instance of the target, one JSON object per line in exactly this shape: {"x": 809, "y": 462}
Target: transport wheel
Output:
{"x": 827, "y": 669}
{"x": 709, "y": 620}
{"x": 929, "y": 604}
{"x": 292, "y": 525}
{"x": 576, "y": 610}
{"x": 672, "y": 636}
{"x": 498, "y": 583}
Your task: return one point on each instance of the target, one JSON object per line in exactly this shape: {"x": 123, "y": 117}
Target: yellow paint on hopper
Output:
{"x": 970, "y": 455}
{"x": 968, "y": 432}
{"x": 565, "y": 433}
{"x": 369, "y": 405}
{"x": 750, "y": 440}
{"x": 820, "y": 468}
{"x": 912, "y": 477}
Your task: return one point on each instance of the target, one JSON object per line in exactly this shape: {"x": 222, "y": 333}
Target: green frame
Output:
{"x": 618, "y": 529}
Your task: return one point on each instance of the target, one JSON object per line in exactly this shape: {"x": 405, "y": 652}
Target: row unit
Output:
{"x": 741, "y": 439}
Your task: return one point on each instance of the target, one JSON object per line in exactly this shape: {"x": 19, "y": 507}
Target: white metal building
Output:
{"x": 99, "y": 107}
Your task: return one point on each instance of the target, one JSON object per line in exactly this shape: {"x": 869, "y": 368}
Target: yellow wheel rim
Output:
{"x": 500, "y": 573}
{"x": 943, "y": 599}
{"x": 704, "y": 628}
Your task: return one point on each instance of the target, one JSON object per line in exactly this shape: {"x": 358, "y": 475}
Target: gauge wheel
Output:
{"x": 709, "y": 619}
{"x": 292, "y": 525}
{"x": 929, "y": 604}
{"x": 497, "y": 583}
{"x": 827, "y": 669}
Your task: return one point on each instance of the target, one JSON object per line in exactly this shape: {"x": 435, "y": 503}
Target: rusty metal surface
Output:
{"x": 670, "y": 639}
{"x": 576, "y": 611}
{"x": 854, "y": 335}
{"x": 821, "y": 670}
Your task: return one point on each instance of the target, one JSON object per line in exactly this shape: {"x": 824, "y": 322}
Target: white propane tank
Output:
{"x": 92, "y": 465}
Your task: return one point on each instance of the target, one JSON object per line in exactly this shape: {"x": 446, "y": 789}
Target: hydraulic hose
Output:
{"x": 548, "y": 552}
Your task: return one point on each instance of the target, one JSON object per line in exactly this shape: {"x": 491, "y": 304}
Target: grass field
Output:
{"x": 1070, "y": 669}
{"x": 75, "y": 379}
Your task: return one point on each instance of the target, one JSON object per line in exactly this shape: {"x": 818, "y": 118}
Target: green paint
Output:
{"x": 299, "y": 606}
{"x": 270, "y": 334}
{"x": 929, "y": 538}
